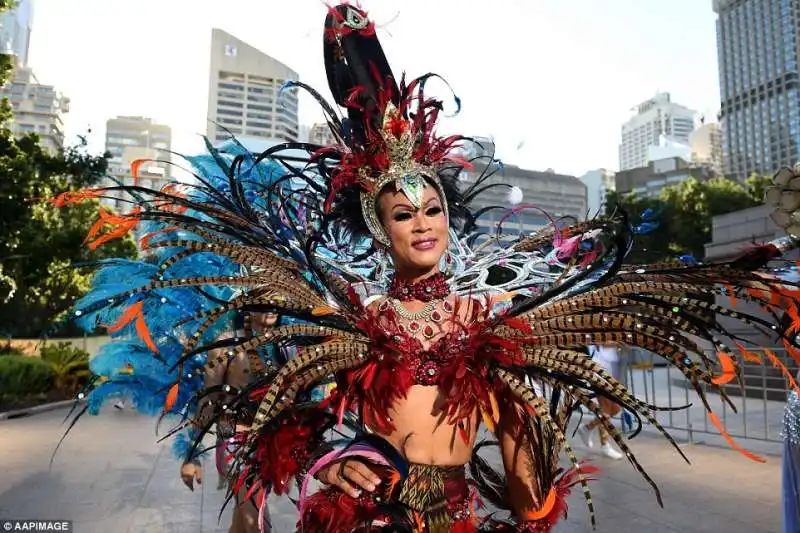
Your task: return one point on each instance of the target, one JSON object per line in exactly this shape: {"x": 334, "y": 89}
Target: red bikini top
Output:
{"x": 402, "y": 338}
{"x": 457, "y": 360}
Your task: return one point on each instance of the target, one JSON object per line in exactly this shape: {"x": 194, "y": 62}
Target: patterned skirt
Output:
{"x": 411, "y": 498}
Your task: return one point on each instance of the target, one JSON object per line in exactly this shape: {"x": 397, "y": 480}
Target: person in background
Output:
{"x": 237, "y": 373}
{"x": 120, "y": 404}
{"x": 608, "y": 356}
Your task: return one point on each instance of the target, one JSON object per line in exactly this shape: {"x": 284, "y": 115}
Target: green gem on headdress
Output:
{"x": 413, "y": 186}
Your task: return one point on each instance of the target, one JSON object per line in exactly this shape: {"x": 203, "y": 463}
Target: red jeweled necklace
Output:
{"x": 431, "y": 288}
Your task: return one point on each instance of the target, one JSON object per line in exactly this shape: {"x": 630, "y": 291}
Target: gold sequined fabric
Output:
{"x": 426, "y": 491}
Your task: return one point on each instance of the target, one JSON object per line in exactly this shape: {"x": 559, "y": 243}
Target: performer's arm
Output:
{"x": 517, "y": 461}
{"x": 191, "y": 469}
{"x": 214, "y": 377}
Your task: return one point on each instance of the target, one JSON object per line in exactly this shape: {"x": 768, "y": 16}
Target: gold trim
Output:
{"x": 403, "y": 164}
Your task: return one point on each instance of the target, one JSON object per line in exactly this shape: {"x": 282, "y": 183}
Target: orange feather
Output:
{"x": 544, "y": 510}
{"x": 495, "y": 407}
{"x": 122, "y": 223}
{"x": 748, "y": 355}
{"x": 487, "y": 420}
{"x": 172, "y": 397}
{"x": 728, "y": 370}
{"x": 791, "y": 350}
{"x": 322, "y": 310}
{"x": 731, "y": 295}
{"x": 135, "y": 165}
{"x": 144, "y": 333}
{"x": 134, "y": 314}
{"x": 127, "y": 317}
{"x": 750, "y": 455}
{"x": 780, "y": 366}
{"x": 75, "y": 197}
{"x": 144, "y": 242}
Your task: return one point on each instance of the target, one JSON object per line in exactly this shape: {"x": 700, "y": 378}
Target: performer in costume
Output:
{"x": 156, "y": 348}
{"x": 422, "y": 357}
{"x": 609, "y": 358}
{"x": 235, "y": 375}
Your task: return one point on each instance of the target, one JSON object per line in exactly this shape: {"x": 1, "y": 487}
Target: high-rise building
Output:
{"x": 649, "y": 181}
{"x": 758, "y": 44}
{"x": 245, "y": 96}
{"x": 706, "y": 144}
{"x": 598, "y": 184}
{"x": 129, "y": 139}
{"x": 37, "y": 109}
{"x": 656, "y": 117}
{"x": 151, "y": 174}
{"x": 15, "y": 32}
{"x": 321, "y": 134}
{"x": 136, "y": 132}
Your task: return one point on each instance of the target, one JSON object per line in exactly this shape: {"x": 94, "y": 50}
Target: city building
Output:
{"x": 598, "y": 184}
{"x": 245, "y": 98}
{"x": 758, "y": 43}
{"x": 650, "y": 180}
{"x": 137, "y": 132}
{"x": 669, "y": 147}
{"x": 38, "y": 109}
{"x": 653, "y": 118}
{"x": 706, "y": 146}
{"x": 543, "y": 193}
{"x": 129, "y": 139}
{"x": 150, "y": 174}
{"x": 320, "y": 133}
{"x": 15, "y": 32}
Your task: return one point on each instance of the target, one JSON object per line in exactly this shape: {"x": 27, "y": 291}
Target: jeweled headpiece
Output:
{"x": 406, "y": 174}
{"x": 388, "y": 137}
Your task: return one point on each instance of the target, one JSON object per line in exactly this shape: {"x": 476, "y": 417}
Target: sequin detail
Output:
{"x": 791, "y": 419}
{"x": 431, "y": 288}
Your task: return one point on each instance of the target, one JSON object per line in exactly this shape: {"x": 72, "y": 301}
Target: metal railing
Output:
{"x": 759, "y": 400}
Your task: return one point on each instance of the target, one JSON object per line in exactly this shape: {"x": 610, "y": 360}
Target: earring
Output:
{"x": 382, "y": 259}
{"x": 446, "y": 263}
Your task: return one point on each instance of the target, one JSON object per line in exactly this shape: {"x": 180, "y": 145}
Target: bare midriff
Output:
{"x": 423, "y": 434}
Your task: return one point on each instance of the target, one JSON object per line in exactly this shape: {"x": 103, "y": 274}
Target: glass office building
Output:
{"x": 758, "y": 42}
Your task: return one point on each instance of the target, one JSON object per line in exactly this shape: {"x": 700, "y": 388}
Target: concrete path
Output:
{"x": 111, "y": 477}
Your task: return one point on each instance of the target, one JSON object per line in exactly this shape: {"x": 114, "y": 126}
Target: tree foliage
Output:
{"x": 40, "y": 244}
{"x": 685, "y": 212}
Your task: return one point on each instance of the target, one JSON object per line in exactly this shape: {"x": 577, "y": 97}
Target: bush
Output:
{"x": 22, "y": 376}
{"x": 10, "y": 350}
{"x": 70, "y": 365}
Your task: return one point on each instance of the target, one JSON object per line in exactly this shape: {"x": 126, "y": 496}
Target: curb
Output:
{"x": 43, "y": 408}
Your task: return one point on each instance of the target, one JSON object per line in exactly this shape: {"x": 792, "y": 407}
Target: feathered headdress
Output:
{"x": 388, "y": 137}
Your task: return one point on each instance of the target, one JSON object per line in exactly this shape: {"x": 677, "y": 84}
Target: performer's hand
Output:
{"x": 191, "y": 472}
{"x": 350, "y": 476}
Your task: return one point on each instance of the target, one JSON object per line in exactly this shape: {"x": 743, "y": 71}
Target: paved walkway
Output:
{"x": 109, "y": 478}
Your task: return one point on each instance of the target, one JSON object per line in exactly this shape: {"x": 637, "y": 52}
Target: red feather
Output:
{"x": 282, "y": 452}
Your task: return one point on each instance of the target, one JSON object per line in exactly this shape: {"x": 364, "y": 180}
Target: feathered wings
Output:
{"x": 667, "y": 309}
{"x": 239, "y": 240}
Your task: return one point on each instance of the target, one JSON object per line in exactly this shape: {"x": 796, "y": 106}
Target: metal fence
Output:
{"x": 758, "y": 401}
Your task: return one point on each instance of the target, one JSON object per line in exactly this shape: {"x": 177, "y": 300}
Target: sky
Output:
{"x": 550, "y": 80}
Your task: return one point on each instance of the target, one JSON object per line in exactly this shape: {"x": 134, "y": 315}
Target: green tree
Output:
{"x": 756, "y": 187}
{"x": 40, "y": 244}
{"x": 686, "y": 213}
